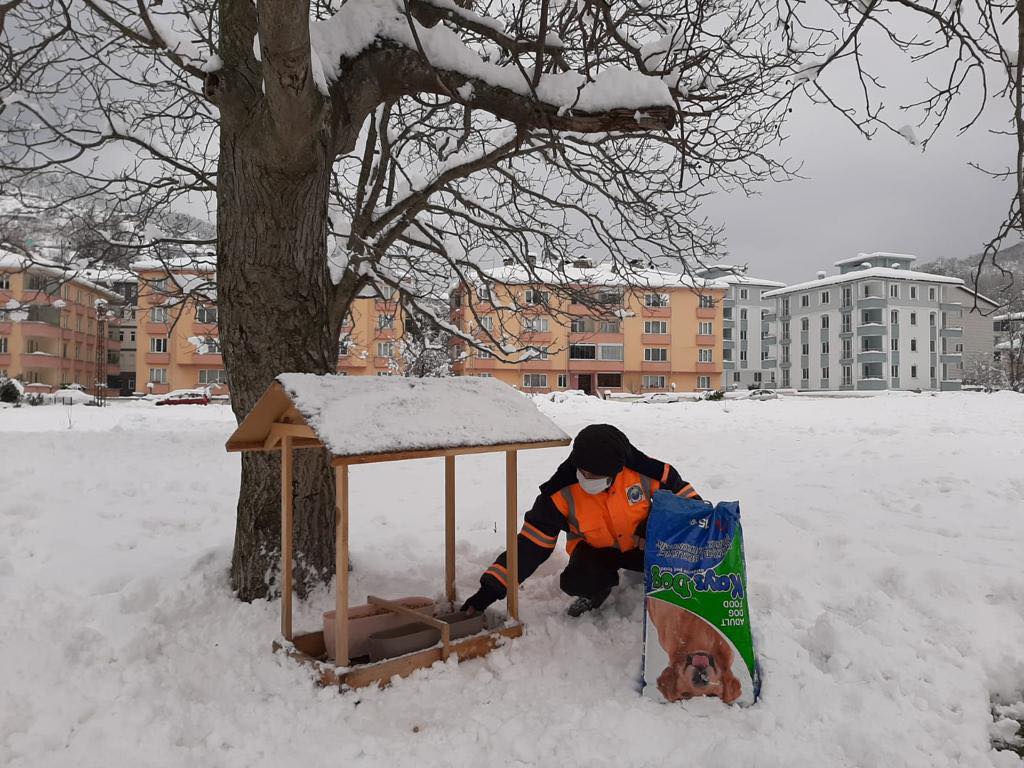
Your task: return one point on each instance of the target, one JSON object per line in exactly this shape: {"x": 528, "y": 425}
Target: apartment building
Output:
{"x": 664, "y": 336}
{"x": 876, "y": 325}
{"x": 176, "y": 335}
{"x": 749, "y": 355}
{"x": 371, "y": 335}
{"x": 54, "y": 325}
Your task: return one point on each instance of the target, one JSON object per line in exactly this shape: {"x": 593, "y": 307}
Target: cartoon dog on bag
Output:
{"x": 699, "y": 657}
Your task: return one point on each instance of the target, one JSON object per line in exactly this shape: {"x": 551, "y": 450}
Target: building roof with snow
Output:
{"x": 364, "y": 416}
{"x": 599, "y": 275}
{"x": 876, "y": 259}
{"x": 878, "y": 273}
{"x": 736, "y": 275}
{"x": 20, "y": 263}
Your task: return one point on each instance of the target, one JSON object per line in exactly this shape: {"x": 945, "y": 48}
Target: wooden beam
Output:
{"x": 287, "y": 538}
{"x": 449, "y": 528}
{"x": 511, "y": 535}
{"x": 261, "y": 445}
{"x": 292, "y": 430}
{"x": 371, "y": 458}
{"x": 341, "y": 567}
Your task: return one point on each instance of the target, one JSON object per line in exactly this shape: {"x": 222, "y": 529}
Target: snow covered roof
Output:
{"x": 876, "y": 255}
{"x": 884, "y": 273}
{"x": 1010, "y": 316}
{"x": 600, "y": 274}
{"x": 735, "y": 275}
{"x": 39, "y": 265}
{"x": 367, "y": 416}
{"x": 199, "y": 261}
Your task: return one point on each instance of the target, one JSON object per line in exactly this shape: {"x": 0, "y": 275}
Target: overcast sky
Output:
{"x": 863, "y": 196}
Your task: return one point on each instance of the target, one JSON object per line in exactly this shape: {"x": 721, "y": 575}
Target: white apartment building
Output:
{"x": 749, "y": 344}
{"x": 876, "y": 325}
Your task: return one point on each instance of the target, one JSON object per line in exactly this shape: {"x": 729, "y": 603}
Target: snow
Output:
{"x": 881, "y": 273}
{"x": 883, "y": 538}
{"x": 40, "y": 265}
{"x": 356, "y": 415}
{"x": 599, "y": 274}
{"x": 358, "y": 24}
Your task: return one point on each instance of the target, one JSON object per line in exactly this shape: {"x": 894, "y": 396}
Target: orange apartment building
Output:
{"x": 179, "y": 344}
{"x": 55, "y": 326}
{"x": 665, "y": 336}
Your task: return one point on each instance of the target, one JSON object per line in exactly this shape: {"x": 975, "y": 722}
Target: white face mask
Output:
{"x": 593, "y": 485}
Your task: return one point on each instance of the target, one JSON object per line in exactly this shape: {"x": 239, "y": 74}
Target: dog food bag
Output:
{"x": 697, "y": 639}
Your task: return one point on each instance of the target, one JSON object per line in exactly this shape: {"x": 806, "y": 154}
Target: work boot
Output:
{"x": 583, "y": 604}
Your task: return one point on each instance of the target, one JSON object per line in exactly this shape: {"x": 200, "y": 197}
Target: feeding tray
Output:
{"x": 362, "y": 420}
{"x": 365, "y": 620}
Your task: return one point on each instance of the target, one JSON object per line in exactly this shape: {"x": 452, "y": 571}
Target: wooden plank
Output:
{"x": 292, "y": 430}
{"x": 287, "y": 537}
{"x": 419, "y": 618}
{"x": 511, "y": 535}
{"x": 449, "y": 528}
{"x": 261, "y": 445}
{"x": 371, "y": 458}
{"x": 341, "y": 566}
{"x": 382, "y": 672}
{"x": 271, "y": 442}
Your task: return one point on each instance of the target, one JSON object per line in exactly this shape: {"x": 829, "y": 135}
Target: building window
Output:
{"x": 743, "y": 293}
{"x": 894, "y": 317}
{"x": 895, "y": 370}
{"x": 894, "y": 290}
{"x": 847, "y": 325}
{"x": 343, "y": 347}
{"x": 612, "y": 380}
{"x": 704, "y": 328}
{"x": 785, "y": 354}
{"x": 581, "y": 325}
{"x": 479, "y": 375}
{"x": 824, "y": 373}
{"x": 387, "y": 293}
{"x": 582, "y": 352}
{"x": 894, "y": 344}
{"x": 727, "y": 355}
{"x": 656, "y": 354}
{"x": 609, "y": 352}
{"x": 913, "y": 371}
{"x": 483, "y": 292}
{"x": 743, "y": 334}
{"x": 824, "y": 347}
{"x": 5, "y": 281}
{"x": 535, "y": 297}
{"x": 931, "y": 345}
{"x": 785, "y": 306}
{"x": 805, "y": 323}
{"x": 563, "y": 380}
{"x": 913, "y": 345}
{"x": 727, "y": 313}
{"x": 785, "y": 377}
{"x": 805, "y": 300}
{"x": 785, "y": 330}
{"x": 206, "y": 315}
{"x": 610, "y": 326}
{"x": 757, "y": 377}
{"x": 932, "y": 371}
{"x": 847, "y": 297}
{"x": 535, "y": 380}
{"x": 847, "y": 375}
{"x": 385, "y": 322}
{"x": 743, "y": 355}
{"x": 707, "y": 301}
{"x": 158, "y": 344}
{"x": 931, "y": 319}
{"x": 211, "y": 345}
{"x": 385, "y": 349}
{"x": 826, "y": 297}
{"x": 213, "y": 376}
{"x": 931, "y": 297}
{"x": 913, "y": 291}
{"x": 806, "y": 374}
{"x": 385, "y": 373}
{"x": 913, "y": 318}
{"x": 703, "y": 382}
{"x": 158, "y": 375}
{"x": 704, "y": 354}
{"x": 4, "y": 346}
{"x": 656, "y": 300}
{"x": 657, "y": 326}
{"x": 653, "y": 382}
{"x": 824, "y": 322}
{"x": 535, "y": 324}
{"x": 805, "y": 349}
{"x": 736, "y": 376}
{"x": 156, "y": 315}
{"x": 487, "y": 323}
{"x": 847, "y": 349}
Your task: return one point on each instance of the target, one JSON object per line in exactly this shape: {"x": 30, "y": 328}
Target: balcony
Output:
{"x": 158, "y": 358}
{"x": 706, "y": 340}
{"x": 871, "y": 302}
{"x": 590, "y": 337}
{"x": 951, "y": 333}
{"x": 871, "y": 356}
{"x": 37, "y": 360}
{"x": 212, "y": 359}
{"x": 951, "y": 358}
{"x": 206, "y": 329}
{"x": 655, "y": 366}
{"x": 538, "y": 337}
{"x": 39, "y": 330}
{"x": 771, "y": 317}
{"x": 871, "y": 384}
{"x": 708, "y": 368}
{"x": 707, "y": 313}
{"x": 872, "y": 329}
{"x": 599, "y": 366}
{"x": 5, "y": 327}
{"x": 656, "y": 339}
{"x": 660, "y": 312}
{"x": 5, "y": 360}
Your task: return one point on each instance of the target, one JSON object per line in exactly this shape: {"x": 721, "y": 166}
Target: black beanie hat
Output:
{"x": 601, "y": 449}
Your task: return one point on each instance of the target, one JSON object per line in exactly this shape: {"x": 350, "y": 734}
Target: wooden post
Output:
{"x": 341, "y": 566}
{"x": 511, "y": 535}
{"x": 449, "y": 528}
{"x": 287, "y": 539}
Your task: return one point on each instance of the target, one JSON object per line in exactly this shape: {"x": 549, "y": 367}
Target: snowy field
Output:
{"x": 884, "y": 537}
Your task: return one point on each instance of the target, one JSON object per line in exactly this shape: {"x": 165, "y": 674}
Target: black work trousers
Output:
{"x": 592, "y": 571}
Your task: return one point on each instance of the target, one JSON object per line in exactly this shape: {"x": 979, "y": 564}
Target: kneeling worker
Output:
{"x": 600, "y": 496}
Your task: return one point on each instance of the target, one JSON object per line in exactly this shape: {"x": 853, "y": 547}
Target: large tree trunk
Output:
{"x": 274, "y": 297}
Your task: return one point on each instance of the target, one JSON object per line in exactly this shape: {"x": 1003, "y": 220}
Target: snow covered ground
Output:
{"x": 884, "y": 541}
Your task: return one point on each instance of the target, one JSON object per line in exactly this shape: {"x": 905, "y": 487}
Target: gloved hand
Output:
{"x": 479, "y": 601}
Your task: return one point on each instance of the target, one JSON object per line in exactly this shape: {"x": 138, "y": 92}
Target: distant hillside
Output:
{"x": 991, "y": 282}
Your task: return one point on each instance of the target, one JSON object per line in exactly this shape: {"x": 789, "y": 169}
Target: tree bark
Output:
{"x": 274, "y": 297}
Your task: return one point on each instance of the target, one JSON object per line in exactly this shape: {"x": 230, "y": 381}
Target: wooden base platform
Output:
{"x": 309, "y": 649}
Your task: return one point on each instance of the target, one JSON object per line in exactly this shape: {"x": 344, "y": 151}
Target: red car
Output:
{"x": 185, "y": 397}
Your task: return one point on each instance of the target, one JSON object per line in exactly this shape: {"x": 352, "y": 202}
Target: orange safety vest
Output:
{"x": 609, "y": 518}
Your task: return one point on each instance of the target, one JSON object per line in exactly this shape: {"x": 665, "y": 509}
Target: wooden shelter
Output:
{"x": 361, "y": 420}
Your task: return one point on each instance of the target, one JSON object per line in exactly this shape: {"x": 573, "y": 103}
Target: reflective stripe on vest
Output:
{"x": 570, "y": 514}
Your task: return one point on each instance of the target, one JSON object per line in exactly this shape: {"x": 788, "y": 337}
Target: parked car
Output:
{"x": 763, "y": 394}
{"x": 185, "y": 397}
